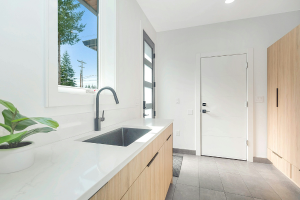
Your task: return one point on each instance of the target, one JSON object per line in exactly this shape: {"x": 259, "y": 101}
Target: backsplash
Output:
{"x": 76, "y": 124}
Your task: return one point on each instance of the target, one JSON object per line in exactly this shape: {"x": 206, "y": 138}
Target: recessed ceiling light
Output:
{"x": 229, "y": 1}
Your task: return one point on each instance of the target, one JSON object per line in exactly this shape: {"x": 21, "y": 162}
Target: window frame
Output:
{"x": 148, "y": 40}
{"x": 82, "y": 90}
{"x": 59, "y": 95}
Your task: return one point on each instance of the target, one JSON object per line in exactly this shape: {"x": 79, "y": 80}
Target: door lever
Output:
{"x": 205, "y": 111}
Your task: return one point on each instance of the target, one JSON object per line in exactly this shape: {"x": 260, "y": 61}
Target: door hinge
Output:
{"x": 246, "y": 65}
{"x": 246, "y": 104}
{"x": 154, "y": 84}
{"x": 154, "y": 55}
{"x": 247, "y": 142}
{"x": 154, "y": 113}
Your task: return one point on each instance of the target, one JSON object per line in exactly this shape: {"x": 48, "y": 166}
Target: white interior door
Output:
{"x": 224, "y": 91}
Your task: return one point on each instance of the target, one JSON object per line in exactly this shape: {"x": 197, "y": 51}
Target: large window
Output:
{"x": 77, "y": 43}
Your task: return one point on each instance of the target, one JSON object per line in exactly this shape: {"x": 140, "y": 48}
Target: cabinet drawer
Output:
{"x": 161, "y": 139}
{"x": 281, "y": 164}
{"x": 296, "y": 175}
{"x": 285, "y": 167}
{"x": 269, "y": 154}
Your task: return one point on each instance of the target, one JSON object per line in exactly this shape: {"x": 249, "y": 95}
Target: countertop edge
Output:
{"x": 94, "y": 189}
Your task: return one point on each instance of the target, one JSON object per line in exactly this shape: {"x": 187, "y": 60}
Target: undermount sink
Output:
{"x": 119, "y": 137}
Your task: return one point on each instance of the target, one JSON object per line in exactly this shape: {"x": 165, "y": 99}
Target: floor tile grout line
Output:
{"x": 240, "y": 171}
{"x": 266, "y": 182}
{"x": 174, "y": 190}
{"x": 271, "y": 186}
{"x": 247, "y": 187}
{"x": 222, "y": 183}
{"x": 239, "y": 195}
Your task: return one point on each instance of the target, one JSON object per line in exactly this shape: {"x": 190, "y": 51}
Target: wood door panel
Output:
{"x": 296, "y": 175}
{"x": 269, "y": 154}
{"x": 296, "y": 135}
{"x": 284, "y": 166}
{"x": 101, "y": 194}
{"x": 140, "y": 189}
{"x": 272, "y": 97}
{"x": 283, "y": 92}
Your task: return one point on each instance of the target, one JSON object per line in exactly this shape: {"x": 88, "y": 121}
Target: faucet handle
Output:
{"x": 102, "y": 118}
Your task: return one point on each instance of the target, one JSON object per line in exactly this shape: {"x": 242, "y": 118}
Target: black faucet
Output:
{"x": 97, "y": 120}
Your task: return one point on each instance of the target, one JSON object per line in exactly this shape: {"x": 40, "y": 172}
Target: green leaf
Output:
{"x": 18, "y": 137}
{"x": 6, "y": 127}
{"x": 8, "y": 115}
{"x": 43, "y": 120}
{"x": 12, "y": 138}
{"x": 8, "y": 105}
{"x": 36, "y": 130}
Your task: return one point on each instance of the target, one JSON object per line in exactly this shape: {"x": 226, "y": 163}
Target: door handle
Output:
{"x": 277, "y": 97}
{"x": 145, "y": 115}
{"x": 169, "y": 137}
{"x": 205, "y": 111}
{"x": 152, "y": 160}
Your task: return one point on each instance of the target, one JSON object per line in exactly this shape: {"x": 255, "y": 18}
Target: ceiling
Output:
{"x": 175, "y": 14}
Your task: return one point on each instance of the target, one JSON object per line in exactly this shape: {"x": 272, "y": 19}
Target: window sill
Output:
{"x": 76, "y": 90}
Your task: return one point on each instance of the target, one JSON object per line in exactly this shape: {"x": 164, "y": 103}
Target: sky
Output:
{"x": 81, "y": 52}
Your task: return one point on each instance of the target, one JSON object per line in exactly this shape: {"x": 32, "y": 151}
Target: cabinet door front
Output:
{"x": 272, "y": 97}
{"x": 295, "y": 154}
{"x": 283, "y": 93}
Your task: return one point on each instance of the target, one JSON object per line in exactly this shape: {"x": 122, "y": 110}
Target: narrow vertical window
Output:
{"x": 78, "y": 43}
{"x": 149, "y": 79}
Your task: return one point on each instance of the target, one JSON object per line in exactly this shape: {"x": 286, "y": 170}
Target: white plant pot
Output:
{"x": 16, "y": 159}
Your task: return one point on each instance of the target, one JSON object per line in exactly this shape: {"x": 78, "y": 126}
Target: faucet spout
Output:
{"x": 97, "y": 120}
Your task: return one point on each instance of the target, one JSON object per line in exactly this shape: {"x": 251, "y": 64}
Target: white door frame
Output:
{"x": 250, "y": 71}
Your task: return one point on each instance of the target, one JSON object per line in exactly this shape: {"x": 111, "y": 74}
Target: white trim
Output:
{"x": 141, "y": 110}
{"x": 250, "y": 79}
{"x": 55, "y": 95}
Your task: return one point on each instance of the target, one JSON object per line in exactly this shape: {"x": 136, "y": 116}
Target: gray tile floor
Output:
{"x": 207, "y": 178}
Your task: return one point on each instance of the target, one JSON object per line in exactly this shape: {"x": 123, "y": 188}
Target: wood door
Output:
{"x": 296, "y": 175}
{"x": 272, "y": 97}
{"x": 140, "y": 189}
{"x": 166, "y": 181}
{"x": 161, "y": 173}
{"x": 283, "y": 142}
{"x": 156, "y": 183}
{"x": 101, "y": 194}
{"x": 295, "y": 60}
{"x": 168, "y": 162}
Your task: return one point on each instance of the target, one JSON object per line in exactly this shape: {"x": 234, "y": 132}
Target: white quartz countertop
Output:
{"x": 71, "y": 169}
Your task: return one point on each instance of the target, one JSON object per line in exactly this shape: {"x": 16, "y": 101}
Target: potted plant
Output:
{"x": 15, "y": 153}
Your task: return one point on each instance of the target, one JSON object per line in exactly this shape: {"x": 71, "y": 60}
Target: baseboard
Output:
{"x": 184, "y": 151}
{"x": 261, "y": 160}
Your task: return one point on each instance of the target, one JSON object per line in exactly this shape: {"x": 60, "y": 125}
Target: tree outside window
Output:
{"x": 77, "y": 30}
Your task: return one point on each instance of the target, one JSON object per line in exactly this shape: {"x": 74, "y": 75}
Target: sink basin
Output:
{"x": 119, "y": 137}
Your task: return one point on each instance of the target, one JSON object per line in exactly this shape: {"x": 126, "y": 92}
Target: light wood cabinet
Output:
{"x": 296, "y": 175}
{"x": 168, "y": 158}
{"x": 295, "y": 60}
{"x": 284, "y": 103}
{"x": 147, "y": 176}
{"x": 285, "y": 99}
{"x": 272, "y": 97}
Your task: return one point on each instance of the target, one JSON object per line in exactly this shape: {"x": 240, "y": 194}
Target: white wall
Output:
{"x": 22, "y": 68}
{"x": 176, "y": 61}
